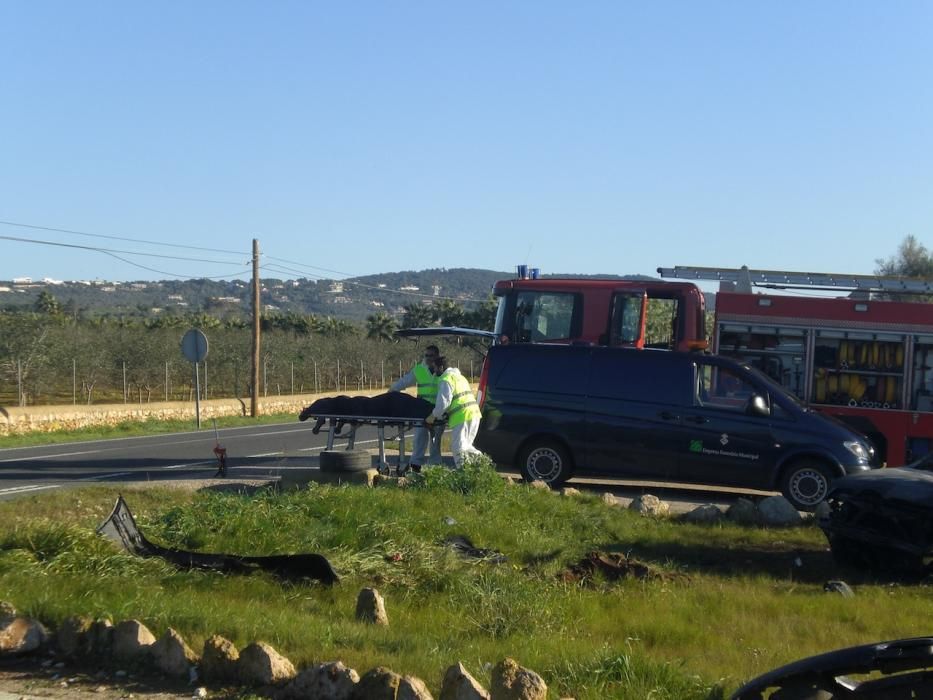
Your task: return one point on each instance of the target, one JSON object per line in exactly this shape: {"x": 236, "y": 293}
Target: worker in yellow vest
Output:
{"x": 423, "y": 378}
{"x": 455, "y": 399}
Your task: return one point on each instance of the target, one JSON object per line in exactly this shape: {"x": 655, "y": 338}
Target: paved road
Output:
{"x": 253, "y": 452}
{"x": 261, "y": 451}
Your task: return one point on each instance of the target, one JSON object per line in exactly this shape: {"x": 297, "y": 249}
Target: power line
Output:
{"x": 113, "y": 250}
{"x": 281, "y": 268}
{"x": 120, "y": 238}
{"x": 322, "y": 269}
{"x": 172, "y": 274}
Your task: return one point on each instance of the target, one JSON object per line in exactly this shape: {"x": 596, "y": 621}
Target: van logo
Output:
{"x": 696, "y": 445}
{"x": 724, "y": 439}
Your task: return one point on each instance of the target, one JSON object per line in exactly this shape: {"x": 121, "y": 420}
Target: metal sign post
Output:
{"x": 194, "y": 348}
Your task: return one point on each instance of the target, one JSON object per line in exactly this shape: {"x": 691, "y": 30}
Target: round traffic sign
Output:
{"x": 194, "y": 345}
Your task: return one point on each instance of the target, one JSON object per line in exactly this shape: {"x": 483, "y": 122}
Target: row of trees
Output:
{"x": 48, "y": 357}
{"x": 52, "y": 356}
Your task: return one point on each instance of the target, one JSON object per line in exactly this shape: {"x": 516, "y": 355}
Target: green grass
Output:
{"x": 725, "y": 604}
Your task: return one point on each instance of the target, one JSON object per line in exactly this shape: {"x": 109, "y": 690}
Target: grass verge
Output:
{"x": 712, "y": 607}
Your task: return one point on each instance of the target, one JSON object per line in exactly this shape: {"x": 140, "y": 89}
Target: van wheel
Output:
{"x": 546, "y": 461}
{"x": 805, "y": 484}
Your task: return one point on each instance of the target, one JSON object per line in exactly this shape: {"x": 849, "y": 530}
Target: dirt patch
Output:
{"x": 614, "y": 567}
{"x": 32, "y": 677}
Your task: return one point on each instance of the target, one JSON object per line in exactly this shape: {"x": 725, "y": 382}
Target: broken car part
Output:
{"x": 121, "y": 528}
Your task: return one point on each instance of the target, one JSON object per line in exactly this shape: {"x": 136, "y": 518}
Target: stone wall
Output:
{"x": 15, "y": 420}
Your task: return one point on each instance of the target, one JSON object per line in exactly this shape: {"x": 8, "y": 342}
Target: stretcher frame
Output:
{"x": 401, "y": 424}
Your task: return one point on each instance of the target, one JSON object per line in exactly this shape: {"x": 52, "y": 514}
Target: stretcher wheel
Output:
{"x": 345, "y": 460}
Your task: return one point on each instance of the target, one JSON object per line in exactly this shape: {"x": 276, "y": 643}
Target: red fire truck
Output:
{"x": 600, "y": 311}
{"x": 867, "y": 361}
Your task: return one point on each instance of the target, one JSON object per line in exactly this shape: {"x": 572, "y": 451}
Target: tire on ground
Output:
{"x": 345, "y": 460}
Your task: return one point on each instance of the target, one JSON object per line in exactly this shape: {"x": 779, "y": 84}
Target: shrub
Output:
{"x": 478, "y": 476}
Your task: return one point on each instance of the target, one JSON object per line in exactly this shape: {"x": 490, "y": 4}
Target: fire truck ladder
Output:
{"x": 743, "y": 279}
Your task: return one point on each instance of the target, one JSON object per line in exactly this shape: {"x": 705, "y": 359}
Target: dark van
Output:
{"x": 554, "y": 410}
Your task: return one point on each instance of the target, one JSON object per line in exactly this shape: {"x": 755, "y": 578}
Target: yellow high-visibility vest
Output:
{"x": 463, "y": 404}
{"x": 427, "y": 382}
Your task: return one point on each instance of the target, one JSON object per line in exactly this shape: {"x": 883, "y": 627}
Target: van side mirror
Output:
{"x": 757, "y": 406}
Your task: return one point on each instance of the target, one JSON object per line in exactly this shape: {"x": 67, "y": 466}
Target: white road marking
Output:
{"x": 319, "y": 448}
{"x": 61, "y": 454}
{"x": 24, "y": 489}
{"x": 195, "y": 437}
{"x": 104, "y": 476}
{"x": 187, "y": 464}
{"x": 183, "y": 465}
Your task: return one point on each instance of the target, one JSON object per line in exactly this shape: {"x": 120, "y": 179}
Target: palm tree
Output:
{"x": 380, "y": 326}
{"x": 335, "y": 327}
{"x": 47, "y": 304}
{"x": 482, "y": 317}
{"x": 418, "y": 316}
{"x": 449, "y": 312}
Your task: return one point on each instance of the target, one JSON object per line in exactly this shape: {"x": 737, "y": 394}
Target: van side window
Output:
{"x": 719, "y": 387}
{"x": 551, "y": 372}
{"x": 640, "y": 377}
{"x": 543, "y": 316}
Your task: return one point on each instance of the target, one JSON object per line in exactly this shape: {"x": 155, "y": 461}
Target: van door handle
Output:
{"x": 667, "y": 415}
{"x": 697, "y": 419}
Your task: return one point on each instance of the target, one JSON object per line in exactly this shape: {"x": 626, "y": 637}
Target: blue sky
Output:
{"x": 360, "y": 137}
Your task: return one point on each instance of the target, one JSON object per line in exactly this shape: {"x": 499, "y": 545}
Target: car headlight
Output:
{"x": 858, "y": 449}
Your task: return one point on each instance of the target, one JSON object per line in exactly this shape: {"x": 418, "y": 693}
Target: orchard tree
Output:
{"x": 24, "y": 352}
{"x": 912, "y": 260}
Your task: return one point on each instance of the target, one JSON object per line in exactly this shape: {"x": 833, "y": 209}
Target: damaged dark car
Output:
{"x": 883, "y": 671}
{"x": 883, "y": 519}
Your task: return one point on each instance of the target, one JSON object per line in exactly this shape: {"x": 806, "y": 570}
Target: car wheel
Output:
{"x": 345, "y": 460}
{"x": 805, "y": 484}
{"x": 546, "y": 461}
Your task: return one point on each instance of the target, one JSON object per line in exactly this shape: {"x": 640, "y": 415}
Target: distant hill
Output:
{"x": 351, "y": 298}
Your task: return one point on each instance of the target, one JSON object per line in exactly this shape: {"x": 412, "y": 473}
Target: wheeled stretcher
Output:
{"x": 400, "y": 425}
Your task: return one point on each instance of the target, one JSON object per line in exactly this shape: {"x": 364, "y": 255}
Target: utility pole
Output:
{"x": 254, "y": 382}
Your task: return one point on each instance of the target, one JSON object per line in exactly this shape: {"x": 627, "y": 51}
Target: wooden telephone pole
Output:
{"x": 254, "y": 366}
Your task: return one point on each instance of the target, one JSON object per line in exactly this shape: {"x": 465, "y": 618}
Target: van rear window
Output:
{"x": 644, "y": 377}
